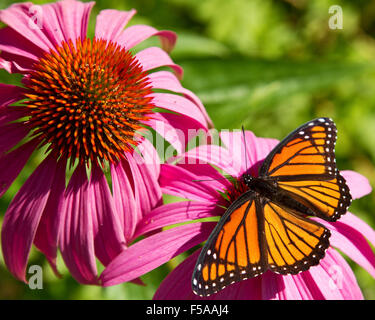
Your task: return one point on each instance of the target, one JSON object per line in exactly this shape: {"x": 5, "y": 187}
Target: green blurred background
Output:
{"x": 267, "y": 65}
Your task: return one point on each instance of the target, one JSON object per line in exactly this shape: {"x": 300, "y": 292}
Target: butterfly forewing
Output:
{"x": 235, "y": 249}
{"x": 304, "y": 164}
{"x": 309, "y": 150}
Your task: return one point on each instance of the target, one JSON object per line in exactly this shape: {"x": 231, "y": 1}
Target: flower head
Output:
{"x": 84, "y": 102}
{"x": 210, "y": 194}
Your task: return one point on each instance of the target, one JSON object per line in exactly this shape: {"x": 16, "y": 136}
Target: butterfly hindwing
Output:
{"x": 294, "y": 243}
{"x": 304, "y": 164}
{"x": 235, "y": 249}
{"x": 327, "y": 199}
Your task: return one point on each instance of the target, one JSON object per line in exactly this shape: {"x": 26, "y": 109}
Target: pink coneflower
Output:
{"x": 83, "y": 103}
{"x": 204, "y": 186}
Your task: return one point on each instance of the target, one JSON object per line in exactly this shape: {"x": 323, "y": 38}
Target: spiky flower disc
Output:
{"x": 88, "y": 99}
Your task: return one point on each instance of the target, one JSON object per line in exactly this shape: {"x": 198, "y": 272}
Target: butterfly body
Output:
{"x": 269, "y": 191}
{"x": 268, "y": 227}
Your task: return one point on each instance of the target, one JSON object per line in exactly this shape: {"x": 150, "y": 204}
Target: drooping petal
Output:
{"x": 180, "y": 105}
{"x": 77, "y": 233}
{"x": 186, "y": 186}
{"x": 13, "y": 162}
{"x": 11, "y": 113}
{"x": 154, "y": 57}
{"x": 9, "y": 93}
{"x": 176, "y": 129}
{"x": 109, "y": 237}
{"x": 150, "y": 157}
{"x": 124, "y": 199}
{"x": 334, "y": 278}
{"x": 46, "y": 238}
{"x": 277, "y": 287}
{"x": 168, "y": 81}
{"x": 174, "y": 213}
{"x": 341, "y": 275}
{"x": 149, "y": 253}
{"x": 147, "y": 190}
{"x": 358, "y": 184}
{"x": 256, "y": 150}
{"x": 209, "y": 174}
{"x": 177, "y": 285}
{"x": 138, "y": 33}
{"x": 16, "y": 45}
{"x": 23, "y": 215}
{"x": 11, "y": 134}
{"x": 111, "y": 23}
{"x": 214, "y": 155}
{"x": 348, "y": 236}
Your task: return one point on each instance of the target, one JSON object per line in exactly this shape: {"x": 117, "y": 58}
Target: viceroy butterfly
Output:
{"x": 268, "y": 226}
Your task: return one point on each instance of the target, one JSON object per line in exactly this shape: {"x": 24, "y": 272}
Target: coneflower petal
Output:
{"x": 76, "y": 239}
{"x": 23, "y": 215}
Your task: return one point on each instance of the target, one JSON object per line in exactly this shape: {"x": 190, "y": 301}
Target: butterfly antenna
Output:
{"x": 244, "y": 140}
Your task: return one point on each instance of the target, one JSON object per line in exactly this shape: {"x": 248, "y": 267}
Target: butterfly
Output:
{"x": 268, "y": 226}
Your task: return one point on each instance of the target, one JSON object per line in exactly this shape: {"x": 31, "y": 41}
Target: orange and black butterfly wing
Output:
{"x": 235, "y": 249}
{"x": 294, "y": 243}
{"x": 304, "y": 165}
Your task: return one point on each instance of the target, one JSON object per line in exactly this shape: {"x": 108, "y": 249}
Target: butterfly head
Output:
{"x": 247, "y": 179}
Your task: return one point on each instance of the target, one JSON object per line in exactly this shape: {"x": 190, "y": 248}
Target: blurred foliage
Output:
{"x": 268, "y": 65}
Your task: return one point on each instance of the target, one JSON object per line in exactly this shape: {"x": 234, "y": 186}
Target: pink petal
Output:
{"x": 10, "y": 94}
{"x": 77, "y": 234}
{"x": 177, "y": 130}
{"x": 154, "y": 57}
{"x": 18, "y": 47}
{"x": 180, "y": 105}
{"x": 46, "y": 237}
{"x": 214, "y": 155}
{"x": 147, "y": 190}
{"x": 174, "y": 213}
{"x": 335, "y": 281}
{"x": 150, "y": 157}
{"x": 11, "y": 134}
{"x": 66, "y": 20}
{"x": 15, "y": 64}
{"x": 19, "y": 16}
{"x": 13, "y": 162}
{"x": 111, "y": 23}
{"x": 177, "y": 285}
{"x": 209, "y": 174}
{"x": 58, "y": 21}
{"x": 257, "y": 149}
{"x": 277, "y": 287}
{"x": 123, "y": 197}
{"x": 348, "y": 236}
{"x": 108, "y": 232}
{"x": 22, "y": 217}
{"x": 138, "y": 33}
{"x": 186, "y": 185}
{"x": 168, "y": 81}
{"x": 148, "y": 254}
{"x": 11, "y": 113}
{"x": 358, "y": 184}
{"x": 342, "y": 278}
